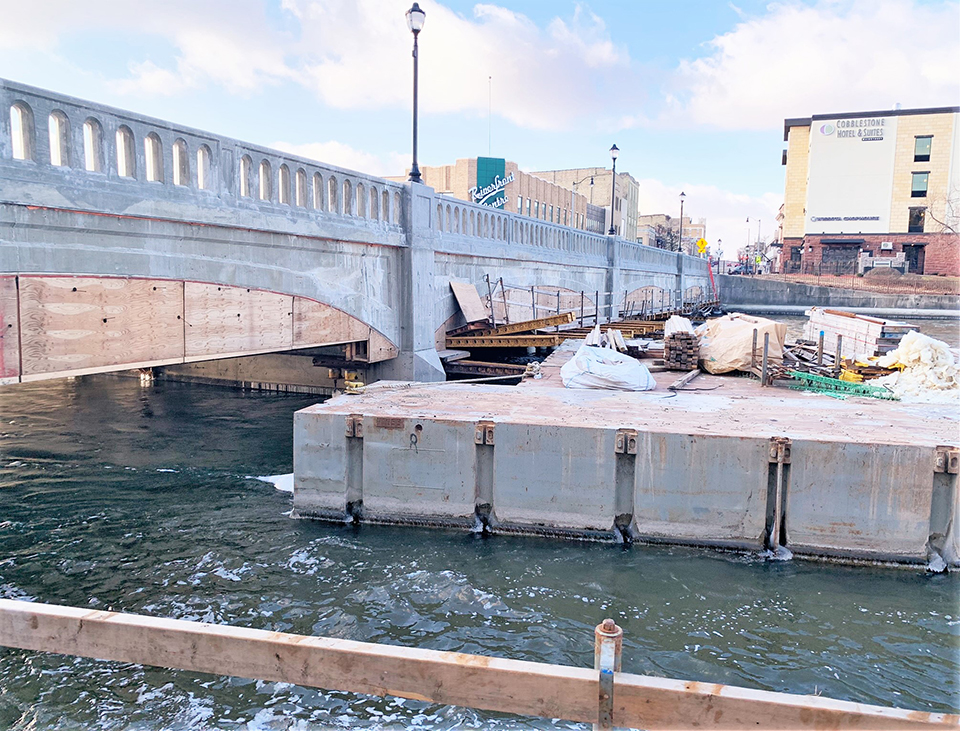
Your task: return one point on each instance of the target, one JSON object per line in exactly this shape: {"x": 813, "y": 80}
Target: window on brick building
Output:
{"x": 536, "y": 209}
{"x": 519, "y": 204}
{"x": 915, "y": 224}
{"x": 921, "y": 148}
{"x": 918, "y": 188}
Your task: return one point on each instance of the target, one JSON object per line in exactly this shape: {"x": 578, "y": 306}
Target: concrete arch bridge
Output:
{"x": 128, "y": 241}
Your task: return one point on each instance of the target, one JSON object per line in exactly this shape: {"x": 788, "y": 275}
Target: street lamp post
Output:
{"x": 680, "y": 228}
{"x": 573, "y": 199}
{"x": 614, "y": 152}
{"x": 719, "y": 253}
{"x": 415, "y": 19}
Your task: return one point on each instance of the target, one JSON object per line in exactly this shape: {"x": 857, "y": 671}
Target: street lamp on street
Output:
{"x": 573, "y": 199}
{"x": 680, "y": 228}
{"x": 415, "y": 19}
{"x": 614, "y": 152}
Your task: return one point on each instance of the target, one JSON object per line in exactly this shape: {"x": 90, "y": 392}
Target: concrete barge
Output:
{"x": 730, "y": 465}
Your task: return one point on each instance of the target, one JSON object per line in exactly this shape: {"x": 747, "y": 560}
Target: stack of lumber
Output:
{"x": 681, "y": 351}
{"x": 859, "y": 334}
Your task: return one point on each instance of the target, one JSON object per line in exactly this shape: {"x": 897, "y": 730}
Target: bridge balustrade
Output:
{"x": 155, "y": 159}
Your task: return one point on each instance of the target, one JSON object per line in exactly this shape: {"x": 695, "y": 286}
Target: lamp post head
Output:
{"x": 415, "y": 18}
{"x": 682, "y": 196}
{"x": 614, "y": 152}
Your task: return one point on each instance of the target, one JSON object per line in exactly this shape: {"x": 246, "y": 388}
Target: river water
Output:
{"x": 139, "y": 498}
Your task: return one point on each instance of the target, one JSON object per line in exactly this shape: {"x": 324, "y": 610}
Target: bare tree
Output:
{"x": 665, "y": 238}
{"x": 948, "y": 221}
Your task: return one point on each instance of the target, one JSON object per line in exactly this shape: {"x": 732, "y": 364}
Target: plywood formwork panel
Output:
{"x": 223, "y": 321}
{"x": 315, "y": 324}
{"x": 9, "y": 331}
{"x": 72, "y": 325}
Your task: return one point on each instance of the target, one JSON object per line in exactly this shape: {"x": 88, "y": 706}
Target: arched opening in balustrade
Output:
{"x": 153, "y": 156}
{"x": 439, "y": 217}
{"x": 473, "y": 224}
{"x": 396, "y": 208}
{"x": 361, "y": 201}
{"x": 93, "y": 145}
{"x": 318, "y": 191}
{"x": 266, "y": 181}
{"x": 385, "y": 207}
{"x": 456, "y": 219}
{"x": 374, "y": 204}
{"x": 448, "y": 220}
{"x": 204, "y": 181}
{"x": 126, "y": 155}
{"x": 246, "y": 177}
{"x": 283, "y": 184}
{"x": 347, "y": 198}
{"x": 500, "y": 228}
{"x": 22, "y": 131}
{"x": 58, "y": 127}
{"x": 181, "y": 163}
{"x": 300, "y": 188}
{"x": 332, "y": 194}
{"x": 464, "y": 222}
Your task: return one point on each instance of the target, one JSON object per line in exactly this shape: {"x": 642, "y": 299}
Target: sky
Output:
{"x": 693, "y": 93}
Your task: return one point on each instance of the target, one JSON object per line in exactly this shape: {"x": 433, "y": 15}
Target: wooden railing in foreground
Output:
{"x": 489, "y": 683}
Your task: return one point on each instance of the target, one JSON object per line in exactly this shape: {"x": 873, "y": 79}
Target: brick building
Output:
{"x": 470, "y": 179}
{"x": 594, "y": 184}
{"x": 866, "y": 190}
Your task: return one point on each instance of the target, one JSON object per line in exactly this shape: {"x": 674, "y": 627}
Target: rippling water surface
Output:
{"x": 117, "y": 496}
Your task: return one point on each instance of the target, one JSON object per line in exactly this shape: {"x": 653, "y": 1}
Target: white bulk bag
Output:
{"x": 594, "y": 367}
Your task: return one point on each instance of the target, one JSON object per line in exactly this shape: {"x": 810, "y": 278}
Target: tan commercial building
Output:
{"x": 594, "y": 183}
{"x": 865, "y": 190}
{"x": 692, "y": 232}
{"x": 501, "y": 184}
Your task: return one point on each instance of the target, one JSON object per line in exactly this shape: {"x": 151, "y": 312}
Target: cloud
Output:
{"x": 798, "y": 60}
{"x": 725, "y": 211}
{"x": 355, "y": 54}
{"x": 541, "y": 78}
{"x": 345, "y": 156}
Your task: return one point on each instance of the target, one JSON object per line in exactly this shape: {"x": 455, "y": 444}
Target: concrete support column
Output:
{"x": 613, "y": 276}
{"x": 418, "y": 359}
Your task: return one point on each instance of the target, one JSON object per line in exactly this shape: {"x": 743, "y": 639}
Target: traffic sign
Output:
{"x": 702, "y": 245}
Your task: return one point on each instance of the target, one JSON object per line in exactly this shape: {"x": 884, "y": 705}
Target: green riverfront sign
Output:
{"x": 491, "y": 182}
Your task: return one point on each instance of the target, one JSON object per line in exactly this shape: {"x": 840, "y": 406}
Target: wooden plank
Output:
{"x": 469, "y": 300}
{"x": 223, "y": 320}
{"x": 488, "y": 683}
{"x": 504, "y": 341}
{"x": 86, "y": 324}
{"x": 525, "y": 326}
{"x": 9, "y": 331}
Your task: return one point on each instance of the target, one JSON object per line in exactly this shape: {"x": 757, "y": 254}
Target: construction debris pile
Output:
{"x": 925, "y": 369}
{"x": 852, "y": 335}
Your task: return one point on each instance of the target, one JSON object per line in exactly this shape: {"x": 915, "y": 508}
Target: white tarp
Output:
{"x": 594, "y": 367}
{"x": 677, "y": 324}
{"x": 726, "y": 343}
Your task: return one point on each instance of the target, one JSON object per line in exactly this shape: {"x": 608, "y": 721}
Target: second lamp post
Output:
{"x": 415, "y": 18}
{"x": 680, "y": 228}
{"x": 614, "y": 151}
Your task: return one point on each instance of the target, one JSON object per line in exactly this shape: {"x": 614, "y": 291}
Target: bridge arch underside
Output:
{"x": 61, "y": 325}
